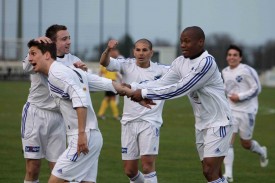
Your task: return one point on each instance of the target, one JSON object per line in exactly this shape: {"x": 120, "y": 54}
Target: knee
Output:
{"x": 130, "y": 172}
{"x": 246, "y": 144}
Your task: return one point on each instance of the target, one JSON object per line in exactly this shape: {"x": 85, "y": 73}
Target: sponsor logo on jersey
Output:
{"x": 32, "y": 148}
{"x": 124, "y": 150}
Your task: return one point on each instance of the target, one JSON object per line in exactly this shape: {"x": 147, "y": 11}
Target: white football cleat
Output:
{"x": 263, "y": 159}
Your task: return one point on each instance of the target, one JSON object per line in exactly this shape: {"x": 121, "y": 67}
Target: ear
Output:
{"x": 47, "y": 55}
{"x": 201, "y": 42}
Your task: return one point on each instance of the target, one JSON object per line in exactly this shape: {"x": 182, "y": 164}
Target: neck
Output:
{"x": 143, "y": 64}
{"x": 197, "y": 55}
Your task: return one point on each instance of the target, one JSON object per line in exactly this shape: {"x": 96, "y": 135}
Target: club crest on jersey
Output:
{"x": 239, "y": 79}
{"x": 32, "y": 148}
{"x": 124, "y": 150}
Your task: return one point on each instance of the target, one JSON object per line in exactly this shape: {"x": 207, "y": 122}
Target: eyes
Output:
{"x": 143, "y": 50}
{"x": 65, "y": 38}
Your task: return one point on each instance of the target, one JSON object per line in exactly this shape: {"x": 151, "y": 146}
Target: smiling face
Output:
{"x": 191, "y": 43}
{"x": 143, "y": 54}
{"x": 38, "y": 60}
{"x": 63, "y": 42}
{"x": 233, "y": 58}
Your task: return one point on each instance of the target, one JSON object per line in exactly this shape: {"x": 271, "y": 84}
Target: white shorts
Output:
{"x": 72, "y": 167}
{"x": 139, "y": 138}
{"x": 43, "y": 133}
{"x": 213, "y": 142}
{"x": 244, "y": 123}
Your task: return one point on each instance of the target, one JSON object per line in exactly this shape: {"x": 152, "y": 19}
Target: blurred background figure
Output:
{"x": 110, "y": 97}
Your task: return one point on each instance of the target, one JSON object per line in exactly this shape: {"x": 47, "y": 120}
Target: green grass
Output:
{"x": 177, "y": 161}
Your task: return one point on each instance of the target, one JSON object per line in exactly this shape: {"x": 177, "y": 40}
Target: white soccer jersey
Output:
{"x": 68, "y": 59}
{"x": 132, "y": 73}
{"x": 70, "y": 88}
{"x": 243, "y": 81}
{"x": 201, "y": 80}
{"x": 39, "y": 93}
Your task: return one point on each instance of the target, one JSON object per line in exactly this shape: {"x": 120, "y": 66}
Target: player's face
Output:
{"x": 63, "y": 42}
{"x": 36, "y": 58}
{"x": 190, "y": 44}
{"x": 233, "y": 58}
{"x": 143, "y": 54}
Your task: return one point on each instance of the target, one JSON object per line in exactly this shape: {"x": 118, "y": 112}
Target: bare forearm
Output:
{"x": 105, "y": 58}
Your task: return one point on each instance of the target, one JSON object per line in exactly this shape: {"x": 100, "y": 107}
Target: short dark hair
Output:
{"x": 143, "y": 40}
{"x": 235, "y": 47}
{"x": 52, "y": 31}
{"x": 197, "y": 30}
{"x": 44, "y": 47}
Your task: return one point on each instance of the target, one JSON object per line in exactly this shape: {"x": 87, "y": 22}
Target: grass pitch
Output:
{"x": 177, "y": 162}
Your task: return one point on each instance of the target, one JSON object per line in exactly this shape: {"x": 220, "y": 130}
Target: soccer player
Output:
{"x": 42, "y": 130}
{"x": 196, "y": 75}
{"x": 242, "y": 87}
{"x": 110, "y": 97}
{"x": 70, "y": 89}
{"x": 140, "y": 126}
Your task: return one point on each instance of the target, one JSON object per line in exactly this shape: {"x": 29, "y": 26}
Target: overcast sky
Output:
{"x": 250, "y": 22}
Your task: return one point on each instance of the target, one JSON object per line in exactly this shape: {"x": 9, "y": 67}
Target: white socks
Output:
{"x": 228, "y": 162}
{"x": 151, "y": 178}
{"x": 255, "y": 147}
{"x": 27, "y": 181}
{"x": 146, "y": 178}
{"x": 219, "y": 180}
{"x": 139, "y": 178}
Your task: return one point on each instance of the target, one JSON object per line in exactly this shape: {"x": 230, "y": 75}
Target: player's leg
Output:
{"x": 228, "y": 161}
{"x": 103, "y": 106}
{"x": 149, "y": 145}
{"x": 56, "y": 143}
{"x": 33, "y": 133}
{"x": 131, "y": 170}
{"x": 246, "y": 132}
{"x": 114, "y": 106}
{"x": 32, "y": 170}
{"x": 216, "y": 144}
{"x": 130, "y": 152}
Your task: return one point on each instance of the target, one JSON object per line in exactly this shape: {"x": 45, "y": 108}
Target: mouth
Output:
{"x": 33, "y": 65}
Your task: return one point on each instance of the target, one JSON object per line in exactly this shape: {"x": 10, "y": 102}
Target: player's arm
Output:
{"x": 253, "y": 90}
{"x": 81, "y": 65}
{"x": 27, "y": 66}
{"x": 105, "y": 56}
{"x": 170, "y": 76}
{"x": 97, "y": 83}
{"x": 82, "y": 146}
{"x": 192, "y": 81}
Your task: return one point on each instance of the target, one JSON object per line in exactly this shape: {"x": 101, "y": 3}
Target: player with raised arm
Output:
{"x": 196, "y": 75}
{"x": 140, "y": 126}
{"x": 242, "y": 87}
